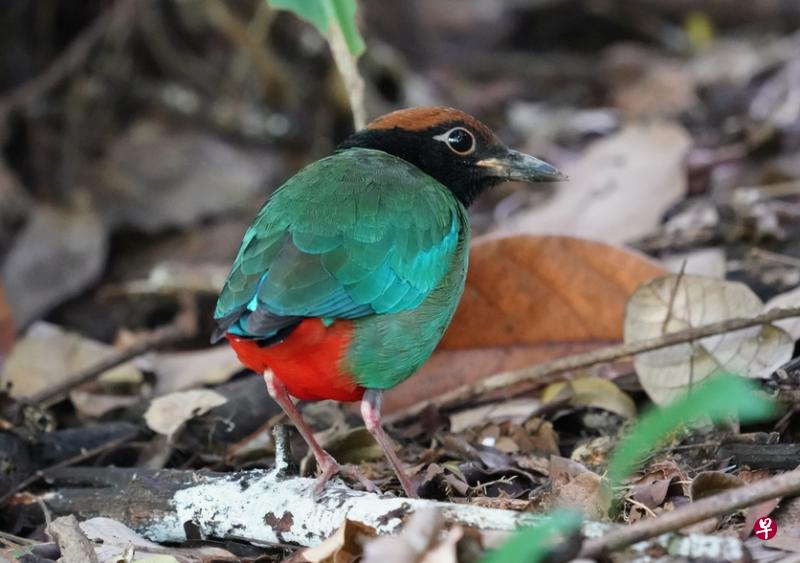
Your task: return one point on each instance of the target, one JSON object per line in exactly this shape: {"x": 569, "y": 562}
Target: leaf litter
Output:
{"x": 680, "y": 144}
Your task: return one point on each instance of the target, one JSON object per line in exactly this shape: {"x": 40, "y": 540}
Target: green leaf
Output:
{"x": 529, "y": 545}
{"x": 716, "y": 398}
{"x": 323, "y": 13}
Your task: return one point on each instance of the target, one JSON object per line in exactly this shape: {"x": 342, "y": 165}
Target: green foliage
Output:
{"x": 532, "y": 544}
{"x": 717, "y": 398}
{"x": 324, "y": 13}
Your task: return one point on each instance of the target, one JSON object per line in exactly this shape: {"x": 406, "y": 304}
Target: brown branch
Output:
{"x": 184, "y": 328}
{"x": 69, "y": 61}
{"x": 545, "y": 372}
{"x": 787, "y": 484}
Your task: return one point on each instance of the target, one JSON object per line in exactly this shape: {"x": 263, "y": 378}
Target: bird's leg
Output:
{"x": 325, "y": 462}
{"x": 371, "y": 413}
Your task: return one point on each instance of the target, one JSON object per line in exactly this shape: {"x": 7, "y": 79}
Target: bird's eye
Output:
{"x": 460, "y": 140}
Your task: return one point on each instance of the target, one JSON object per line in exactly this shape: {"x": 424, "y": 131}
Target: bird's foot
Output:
{"x": 330, "y": 467}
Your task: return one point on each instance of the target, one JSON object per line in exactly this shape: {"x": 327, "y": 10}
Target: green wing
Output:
{"x": 355, "y": 234}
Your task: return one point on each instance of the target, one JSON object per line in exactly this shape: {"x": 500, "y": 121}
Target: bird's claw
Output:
{"x": 330, "y": 467}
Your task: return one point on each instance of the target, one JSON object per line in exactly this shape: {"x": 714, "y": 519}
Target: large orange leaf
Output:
{"x": 529, "y": 299}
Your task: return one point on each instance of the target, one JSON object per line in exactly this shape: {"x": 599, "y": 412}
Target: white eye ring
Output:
{"x": 456, "y": 136}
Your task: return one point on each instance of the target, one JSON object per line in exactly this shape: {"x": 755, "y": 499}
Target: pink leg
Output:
{"x": 371, "y": 413}
{"x": 325, "y": 462}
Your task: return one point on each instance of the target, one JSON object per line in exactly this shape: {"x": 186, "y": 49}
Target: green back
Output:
{"x": 358, "y": 235}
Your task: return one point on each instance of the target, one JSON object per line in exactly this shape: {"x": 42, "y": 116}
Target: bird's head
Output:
{"x": 452, "y": 147}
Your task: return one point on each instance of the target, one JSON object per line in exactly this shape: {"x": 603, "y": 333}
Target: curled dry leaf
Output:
{"x": 618, "y": 190}
{"x": 176, "y": 371}
{"x": 592, "y": 392}
{"x": 346, "y": 545}
{"x": 166, "y": 415}
{"x": 529, "y": 299}
{"x": 47, "y": 355}
{"x": 674, "y": 303}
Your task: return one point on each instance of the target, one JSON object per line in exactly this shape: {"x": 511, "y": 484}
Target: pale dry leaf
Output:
{"x": 515, "y": 410}
{"x": 619, "y": 190}
{"x": 177, "y": 371}
{"x": 72, "y": 542}
{"x": 592, "y": 392}
{"x": 113, "y": 538}
{"x": 785, "y": 300}
{"x": 167, "y": 414}
{"x": 417, "y": 536}
{"x": 708, "y": 262}
{"x": 574, "y": 486}
{"x": 57, "y": 254}
{"x": 674, "y": 303}
{"x": 48, "y": 354}
{"x": 158, "y": 175}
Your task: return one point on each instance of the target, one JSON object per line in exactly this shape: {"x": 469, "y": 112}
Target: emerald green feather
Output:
{"x": 358, "y": 235}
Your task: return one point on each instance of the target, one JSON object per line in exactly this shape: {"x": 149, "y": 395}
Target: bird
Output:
{"x": 351, "y": 271}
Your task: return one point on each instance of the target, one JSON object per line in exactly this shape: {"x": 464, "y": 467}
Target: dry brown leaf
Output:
{"x": 419, "y": 534}
{"x": 651, "y": 489}
{"x": 529, "y": 299}
{"x": 47, "y": 355}
{"x": 674, "y": 303}
{"x": 618, "y": 190}
{"x": 710, "y": 483}
{"x": 592, "y": 392}
{"x": 574, "y": 486}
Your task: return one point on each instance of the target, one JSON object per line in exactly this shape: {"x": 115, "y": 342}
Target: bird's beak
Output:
{"x": 514, "y": 165}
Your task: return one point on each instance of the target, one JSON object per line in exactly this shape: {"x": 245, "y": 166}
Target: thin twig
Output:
{"x": 787, "y": 484}
{"x": 545, "y": 372}
{"x": 184, "y": 328}
{"x": 69, "y": 61}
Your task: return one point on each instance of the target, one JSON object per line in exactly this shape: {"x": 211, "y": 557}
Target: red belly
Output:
{"x": 308, "y": 362}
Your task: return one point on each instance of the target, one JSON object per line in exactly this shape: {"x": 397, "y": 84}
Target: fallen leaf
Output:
{"x": 57, "y": 254}
{"x": 157, "y": 176}
{"x": 177, "y": 371}
{"x": 710, "y": 483}
{"x": 644, "y": 83}
{"x": 785, "y": 300}
{"x": 344, "y": 546}
{"x": 574, "y": 486}
{"x": 674, "y": 303}
{"x": 651, "y": 489}
{"x": 48, "y": 354}
{"x": 619, "y": 190}
{"x": 515, "y": 410}
{"x": 112, "y": 539}
{"x": 72, "y": 542}
{"x": 354, "y": 446}
{"x": 529, "y": 299}
{"x": 708, "y": 262}
{"x": 592, "y": 392}
{"x": 418, "y": 535}
{"x": 166, "y": 415}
